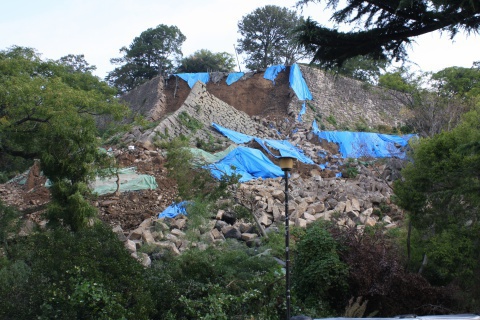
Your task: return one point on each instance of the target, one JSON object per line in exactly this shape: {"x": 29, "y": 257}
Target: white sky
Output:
{"x": 99, "y": 28}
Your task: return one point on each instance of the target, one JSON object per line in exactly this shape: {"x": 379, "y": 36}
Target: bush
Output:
{"x": 82, "y": 275}
{"x": 319, "y": 278}
{"x": 224, "y": 283}
{"x": 377, "y": 273}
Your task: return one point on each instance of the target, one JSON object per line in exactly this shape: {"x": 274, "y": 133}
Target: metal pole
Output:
{"x": 287, "y": 242}
{"x": 236, "y": 54}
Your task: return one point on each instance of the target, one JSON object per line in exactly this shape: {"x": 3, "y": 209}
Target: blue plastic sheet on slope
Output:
{"x": 192, "y": 78}
{"x": 248, "y": 163}
{"x": 272, "y": 71}
{"x": 285, "y": 148}
{"x": 234, "y": 77}
{"x": 366, "y": 144}
{"x": 298, "y": 84}
{"x": 235, "y": 136}
{"x": 302, "y": 112}
{"x": 315, "y": 126}
{"x": 174, "y": 210}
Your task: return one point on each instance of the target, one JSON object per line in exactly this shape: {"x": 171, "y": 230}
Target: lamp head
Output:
{"x": 286, "y": 163}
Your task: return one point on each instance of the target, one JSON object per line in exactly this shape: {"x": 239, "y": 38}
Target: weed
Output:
{"x": 189, "y": 122}
{"x": 331, "y": 119}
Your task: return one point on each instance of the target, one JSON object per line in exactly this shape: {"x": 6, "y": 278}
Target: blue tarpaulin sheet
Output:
{"x": 298, "y": 84}
{"x": 174, "y": 210}
{"x": 235, "y": 136}
{"x": 285, "y": 148}
{"x": 234, "y": 77}
{"x": 248, "y": 163}
{"x": 192, "y": 78}
{"x": 366, "y": 144}
{"x": 302, "y": 112}
{"x": 272, "y": 71}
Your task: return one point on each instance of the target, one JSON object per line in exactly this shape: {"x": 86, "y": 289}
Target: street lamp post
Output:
{"x": 286, "y": 164}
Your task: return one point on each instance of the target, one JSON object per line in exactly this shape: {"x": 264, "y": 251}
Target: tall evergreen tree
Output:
{"x": 151, "y": 54}
{"x": 267, "y": 37}
{"x": 383, "y": 28}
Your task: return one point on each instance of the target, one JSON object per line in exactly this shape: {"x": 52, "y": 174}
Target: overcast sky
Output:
{"x": 99, "y": 28}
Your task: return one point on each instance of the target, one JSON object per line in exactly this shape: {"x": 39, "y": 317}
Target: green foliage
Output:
{"x": 149, "y": 55}
{"x": 319, "y": 278}
{"x": 189, "y": 122}
{"x": 48, "y": 112}
{"x": 350, "y": 169}
{"x": 82, "y": 275}
{"x": 331, "y": 119}
{"x": 210, "y": 144}
{"x": 451, "y": 256}
{"x": 442, "y": 185}
{"x": 224, "y": 283}
{"x": 383, "y": 29}
{"x": 363, "y": 68}
{"x": 9, "y": 223}
{"x": 441, "y": 191}
{"x": 69, "y": 206}
{"x": 397, "y": 81}
{"x": 267, "y": 37}
{"x": 194, "y": 182}
{"x": 76, "y": 63}
{"x": 458, "y": 81}
{"x": 206, "y": 61}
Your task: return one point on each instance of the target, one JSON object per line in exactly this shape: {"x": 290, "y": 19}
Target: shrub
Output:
{"x": 224, "y": 283}
{"x": 377, "y": 273}
{"x": 82, "y": 275}
{"x": 319, "y": 278}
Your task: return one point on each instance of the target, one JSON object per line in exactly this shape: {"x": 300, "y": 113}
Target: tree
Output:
{"x": 431, "y": 103}
{"x": 204, "y": 60}
{"x": 440, "y": 190}
{"x": 60, "y": 274}
{"x": 47, "y": 112}
{"x": 267, "y": 37}
{"x": 77, "y": 63}
{"x": 457, "y": 81}
{"x": 363, "y": 68}
{"x": 149, "y": 55}
{"x": 384, "y": 27}
{"x": 319, "y": 277}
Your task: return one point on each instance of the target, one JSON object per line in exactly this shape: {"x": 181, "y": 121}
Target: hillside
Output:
{"x": 354, "y": 193}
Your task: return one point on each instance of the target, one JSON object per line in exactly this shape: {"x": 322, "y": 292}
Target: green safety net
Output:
{"x": 202, "y": 157}
{"x": 130, "y": 180}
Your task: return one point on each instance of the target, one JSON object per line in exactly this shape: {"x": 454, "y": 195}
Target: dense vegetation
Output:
{"x": 382, "y": 29}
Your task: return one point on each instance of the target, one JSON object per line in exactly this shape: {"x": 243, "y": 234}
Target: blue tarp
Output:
{"x": 175, "y": 209}
{"x": 248, "y": 163}
{"x": 285, "y": 148}
{"x": 235, "y": 136}
{"x": 302, "y": 112}
{"x": 234, "y": 77}
{"x": 366, "y": 144}
{"x": 272, "y": 71}
{"x": 298, "y": 84}
{"x": 192, "y": 78}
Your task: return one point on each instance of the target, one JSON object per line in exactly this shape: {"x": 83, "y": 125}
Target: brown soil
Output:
{"x": 256, "y": 96}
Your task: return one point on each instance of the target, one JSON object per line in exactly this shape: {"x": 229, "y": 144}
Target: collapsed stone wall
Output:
{"x": 203, "y": 108}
